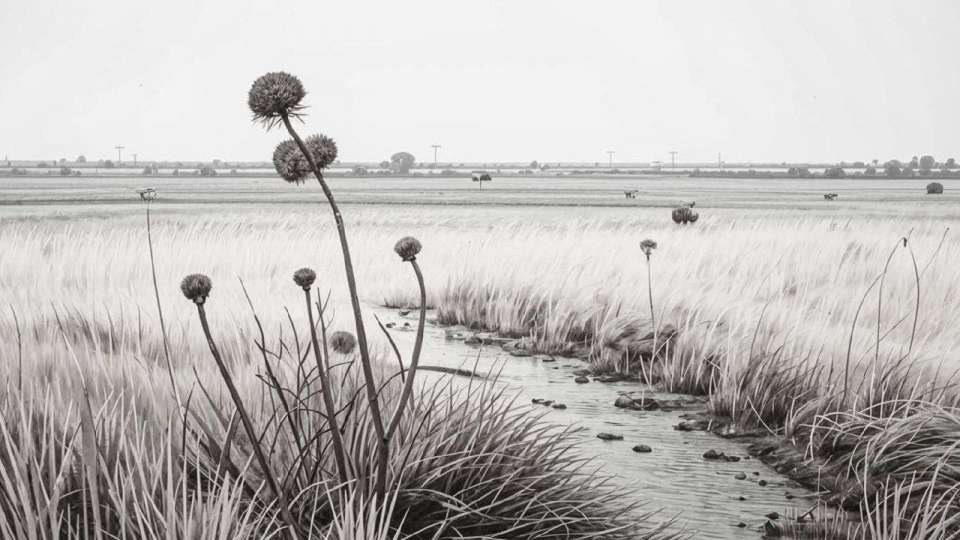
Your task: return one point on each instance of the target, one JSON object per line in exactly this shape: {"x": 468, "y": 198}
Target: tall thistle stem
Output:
{"x": 338, "y": 452}
{"x": 371, "y": 387}
{"x": 247, "y": 424}
{"x": 414, "y": 362}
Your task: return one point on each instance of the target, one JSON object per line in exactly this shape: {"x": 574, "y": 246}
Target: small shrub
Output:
{"x": 684, "y": 215}
{"x": 934, "y": 188}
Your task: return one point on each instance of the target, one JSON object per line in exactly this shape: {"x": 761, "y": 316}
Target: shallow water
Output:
{"x": 703, "y": 495}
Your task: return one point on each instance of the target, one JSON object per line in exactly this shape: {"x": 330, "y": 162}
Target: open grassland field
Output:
{"x": 809, "y": 319}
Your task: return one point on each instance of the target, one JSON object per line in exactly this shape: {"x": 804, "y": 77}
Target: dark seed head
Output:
{"x": 274, "y": 95}
{"x": 407, "y": 248}
{"x": 291, "y": 164}
{"x": 196, "y": 287}
{"x": 304, "y": 277}
{"x": 322, "y": 148}
{"x": 343, "y": 342}
{"x": 648, "y": 246}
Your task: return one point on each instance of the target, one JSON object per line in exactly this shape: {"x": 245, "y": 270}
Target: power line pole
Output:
{"x": 719, "y": 161}
{"x": 673, "y": 159}
{"x": 134, "y": 160}
{"x": 119, "y": 153}
{"x": 435, "y": 148}
{"x": 610, "y": 154}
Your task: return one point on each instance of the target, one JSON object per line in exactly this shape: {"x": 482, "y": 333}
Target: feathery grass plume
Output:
{"x": 274, "y": 96}
{"x": 196, "y": 287}
{"x": 343, "y": 342}
{"x": 304, "y": 277}
{"x": 407, "y": 248}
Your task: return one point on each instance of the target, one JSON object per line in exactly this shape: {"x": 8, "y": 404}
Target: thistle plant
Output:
{"x": 196, "y": 288}
{"x": 684, "y": 215}
{"x": 647, "y": 246}
{"x": 408, "y": 248}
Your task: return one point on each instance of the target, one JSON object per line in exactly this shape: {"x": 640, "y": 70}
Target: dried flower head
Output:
{"x": 647, "y": 246}
{"x": 274, "y": 95}
{"x": 684, "y": 215}
{"x": 407, "y": 248}
{"x": 291, "y": 164}
{"x": 196, "y": 287}
{"x": 343, "y": 342}
{"x": 304, "y": 277}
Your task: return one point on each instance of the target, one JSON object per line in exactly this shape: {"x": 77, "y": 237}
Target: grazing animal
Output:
{"x": 684, "y": 215}
{"x": 829, "y": 196}
{"x": 147, "y": 194}
{"x": 632, "y": 194}
{"x": 934, "y": 188}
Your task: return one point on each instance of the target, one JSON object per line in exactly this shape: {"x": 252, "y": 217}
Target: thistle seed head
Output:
{"x": 274, "y": 95}
{"x": 407, "y": 248}
{"x": 323, "y": 149}
{"x": 343, "y": 342}
{"x": 304, "y": 277}
{"x": 289, "y": 162}
{"x": 196, "y": 287}
{"x": 647, "y": 246}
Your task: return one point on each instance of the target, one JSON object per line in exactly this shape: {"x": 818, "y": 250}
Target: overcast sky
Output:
{"x": 488, "y": 80}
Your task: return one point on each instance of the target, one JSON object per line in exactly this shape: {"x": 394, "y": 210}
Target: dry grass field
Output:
{"x": 810, "y": 319}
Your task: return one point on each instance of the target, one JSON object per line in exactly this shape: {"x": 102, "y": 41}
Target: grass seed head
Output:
{"x": 343, "y": 342}
{"x": 304, "y": 277}
{"x": 407, "y": 248}
{"x": 274, "y": 95}
{"x": 196, "y": 287}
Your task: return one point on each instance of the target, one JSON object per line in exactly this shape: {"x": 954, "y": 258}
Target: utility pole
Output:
{"x": 719, "y": 161}
{"x": 435, "y": 148}
{"x": 610, "y": 154}
{"x": 134, "y": 160}
{"x": 119, "y": 153}
{"x": 673, "y": 159}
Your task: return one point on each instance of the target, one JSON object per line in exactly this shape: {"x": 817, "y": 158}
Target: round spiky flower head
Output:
{"x": 274, "y": 95}
{"x": 407, "y": 248}
{"x": 196, "y": 287}
{"x": 647, "y": 246}
{"x": 323, "y": 149}
{"x": 343, "y": 342}
{"x": 304, "y": 277}
{"x": 289, "y": 162}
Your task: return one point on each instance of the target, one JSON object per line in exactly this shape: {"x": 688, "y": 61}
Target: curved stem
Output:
{"x": 338, "y": 452}
{"x": 415, "y": 360}
{"x": 247, "y": 424}
{"x": 375, "y": 416}
{"x": 163, "y": 327}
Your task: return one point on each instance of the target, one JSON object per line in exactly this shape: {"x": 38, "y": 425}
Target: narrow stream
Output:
{"x": 705, "y": 496}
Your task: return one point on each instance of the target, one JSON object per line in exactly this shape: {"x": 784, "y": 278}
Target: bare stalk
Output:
{"x": 415, "y": 360}
{"x": 653, "y": 320}
{"x": 163, "y": 326}
{"x": 338, "y": 452}
{"x": 247, "y": 424}
{"x": 375, "y": 416}
{"x": 16, "y": 322}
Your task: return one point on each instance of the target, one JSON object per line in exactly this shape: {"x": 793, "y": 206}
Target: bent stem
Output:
{"x": 653, "y": 320}
{"x": 338, "y": 452}
{"x": 247, "y": 424}
{"x": 415, "y": 360}
{"x": 375, "y": 417}
{"x": 163, "y": 327}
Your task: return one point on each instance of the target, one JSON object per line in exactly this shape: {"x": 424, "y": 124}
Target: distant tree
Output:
{"x": 892, "y": 168}
{"x": 914, "y": 162}
{"x": 147, "y": 171}
{"x": 534, "y": 165}
{"x": 908, "y": 171}
{"x": 360, "y": 171}
{"x": 870, "y": 170}
{"x": 81, "y": 158}
{"x": 834, "y": 172}
{"x": 108, "y": 164}
{"x": 65, "y": 171}
{"x": 875, "y": 161}
{"x": 207, "y": 170}
{"x": 927, "y": 163}
{"x": 950, "y": 164}
{"x": 402, "y": 162}
{"x": 233, "y": 172}
{"x": 481, "y": 178}
{"x": 62, "y": 161}
{"x": 859, "y": 164}
{"x": 42, "y": 165}
{"x": 176, "y": 172}
{"x": 384, "y": 164}
{"x": 217, "y": 163}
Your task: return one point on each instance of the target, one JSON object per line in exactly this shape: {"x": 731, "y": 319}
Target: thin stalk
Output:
{"x": 415, "y": 360}
{"x": 653, "y": 320}
{"x": 16, "y": 322}
{"x": 375, "y": 416}
{"x": 163, "y": 326}
{"x": 325, "y": 392}
{"x": 247, "y": 424}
